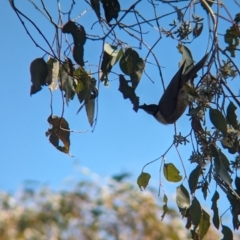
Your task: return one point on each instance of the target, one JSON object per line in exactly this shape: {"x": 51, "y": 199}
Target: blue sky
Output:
{"x": 122, "y": 140}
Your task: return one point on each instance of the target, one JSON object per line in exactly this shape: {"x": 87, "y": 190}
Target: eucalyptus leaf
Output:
{"x": 171, "y": 173}
{"x": 204, "y": 224}
{"x": 193, "y": 179}
{"x": 231, "y": 115}
{"x": 182, "y": 199}
{"x": 195, "y": 211}
{"x": 214, "y": 207}
{"x": 227, "y": 233}
{"x": 143, "y": 180}
{"x": 59, "y": 131}
{"x": 218, "y": 120}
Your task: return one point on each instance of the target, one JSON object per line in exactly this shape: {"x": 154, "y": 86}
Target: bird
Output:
{"x": 173, "y": 102}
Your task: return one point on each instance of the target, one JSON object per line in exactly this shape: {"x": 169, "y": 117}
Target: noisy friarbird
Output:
{"x": 173, "y": 102}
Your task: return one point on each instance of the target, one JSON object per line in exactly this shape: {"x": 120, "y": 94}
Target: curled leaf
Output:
{"x": 143, "y": 180}
{"x": 39, "y": 73}
{"x": 79, "y": 38}
{"x": 59, "y": 131}
{"x": 128, "y": 92}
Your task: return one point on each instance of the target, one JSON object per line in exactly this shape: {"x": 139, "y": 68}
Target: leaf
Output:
{"x": 66, "y": 81}
{"x": 225, "y": 161}
{"x": 79, "y": 38}
{"x": 227, "y": 233}
{"x": 205, "y": 189}
{"x": 204, "y": 224}
{"x": 59, "y": 131}
{"x": 222, "y": 172}
{"x": 215, "y": 210}
{"x": 78, "y": 51}
{"x": 231, "y": 38}
{"x": 96, "y": 7}
{"x": 111, "y": 9}
{"x": 131, "y": 64}
{"x": 53, "y": 73}
{"x": 90, "y": 106}
{"x": 231, "y": 115}
{"x": 182, "y": 199}
{"x": 143, "y": 180}
{"x": 193, "y": 179}
{"x": 218, "y": 120}
{"x": 171, "y": 173}
{"x": 110, "y": 57}
{"x": 39, "y": 73}
{"x": 88, "y": 94}
{"x": 195, "y": 211}
{"x": 237, "y": 183}
{"x": 128, "y": 92}
{"x": 186, "y": 58}
{"x": 165, "y": 207}
{"x": 197, "y": 30}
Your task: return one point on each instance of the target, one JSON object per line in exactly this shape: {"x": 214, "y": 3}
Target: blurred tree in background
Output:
{"x": 90, "y": 211}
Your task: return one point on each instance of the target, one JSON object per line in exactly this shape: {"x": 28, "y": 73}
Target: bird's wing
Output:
{"x": 168, "y": 101}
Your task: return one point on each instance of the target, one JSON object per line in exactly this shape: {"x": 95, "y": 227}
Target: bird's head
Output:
{"x": 150, "y": 109}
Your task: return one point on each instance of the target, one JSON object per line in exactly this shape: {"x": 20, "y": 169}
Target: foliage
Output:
{"x": 115, "y": 210}
{"x": 211, "y": 100}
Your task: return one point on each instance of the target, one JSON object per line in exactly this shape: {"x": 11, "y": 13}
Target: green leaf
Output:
{"x": 227, "y": 233}
{"x": 218, "y": 120}
{"x": 165, "y": 207}
{"x": 59, "y": 131}
{"x": 186, "y": 57}
{"x": 131, "y": 64}
{"x": 171, "y": 173}
{"x": 225, "y": 161}
{"x": 231, "y": 115}
{"x": 204, "y": 224}
{"x": 90, "y": 107}
{"x": 193, "y": 179}
{"x": 215, "y": 210}
{"x": 128, "y": 92}
{"x": 66, "y": 82}
{"x": 39, "y": 73}
{"x": 182, "y": 199}
{"x": 195, "y": 211}
{"x": 222, "y": 171}
{"x": 143, "y": 180}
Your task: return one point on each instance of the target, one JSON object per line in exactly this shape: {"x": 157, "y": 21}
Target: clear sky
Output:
{"x": 122, "y": 140}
